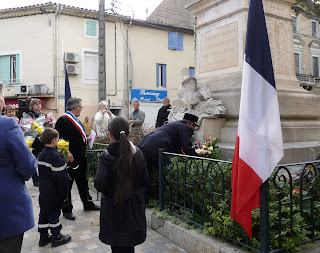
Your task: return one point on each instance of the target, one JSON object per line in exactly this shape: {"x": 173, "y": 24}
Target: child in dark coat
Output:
{"x": 54, "y": 190}
{"x": 121, "y": 174}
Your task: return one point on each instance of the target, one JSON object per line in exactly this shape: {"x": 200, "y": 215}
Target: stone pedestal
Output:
{"x": 220, "y": 44}
{"x": 209, "y": 127}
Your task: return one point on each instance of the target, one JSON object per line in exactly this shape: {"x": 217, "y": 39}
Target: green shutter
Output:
{"x": 91, "y": 28}
{"x": 5, "y": 69}
{"x": 18, "y": 80}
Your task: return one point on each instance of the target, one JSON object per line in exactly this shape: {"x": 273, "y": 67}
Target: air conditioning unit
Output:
{"x": 22, "y": 89}
{"x": 73, "y": 69}
{"x": 71, "y": 57}
{"x": 40, "y": 89}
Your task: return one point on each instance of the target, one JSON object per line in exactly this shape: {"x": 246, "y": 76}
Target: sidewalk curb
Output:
{"x": 190, "y": 240}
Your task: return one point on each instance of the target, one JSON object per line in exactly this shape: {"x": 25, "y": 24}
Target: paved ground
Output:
{"x": 85, "y": 232}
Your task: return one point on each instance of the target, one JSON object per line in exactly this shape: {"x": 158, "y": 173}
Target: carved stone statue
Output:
{"x": 196, "y": 99}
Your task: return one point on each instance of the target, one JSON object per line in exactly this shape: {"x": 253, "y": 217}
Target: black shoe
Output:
{"x": 92, "y": 207}
{"x": 44, "y": 241}
{"x": 60, "y": 239}
{"x": 69, "y": 216}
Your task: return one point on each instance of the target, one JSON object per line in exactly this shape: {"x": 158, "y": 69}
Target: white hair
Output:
{"x": 103, "y": 103}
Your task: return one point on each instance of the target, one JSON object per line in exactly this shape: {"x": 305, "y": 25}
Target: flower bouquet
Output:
{"x": 208, "y": 148}
{"x": 32, "y": 127}
{"x": 50, "y": 121}
{"x": 63, "y": 148}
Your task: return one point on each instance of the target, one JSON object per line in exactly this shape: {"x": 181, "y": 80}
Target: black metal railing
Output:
{"x": 93, "y": 160}
{"x": 198, "y": 190}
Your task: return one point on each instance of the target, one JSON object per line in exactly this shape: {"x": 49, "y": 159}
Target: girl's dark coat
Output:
{"x": 126, "y": 225}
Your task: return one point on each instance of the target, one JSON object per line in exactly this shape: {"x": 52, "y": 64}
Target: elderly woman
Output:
{"x": 37, "y": 145}
{"x": 101, "y": 121}
{"x": 35, "y": 108}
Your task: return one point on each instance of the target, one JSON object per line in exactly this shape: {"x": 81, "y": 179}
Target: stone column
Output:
{"x": 220, "y": 44}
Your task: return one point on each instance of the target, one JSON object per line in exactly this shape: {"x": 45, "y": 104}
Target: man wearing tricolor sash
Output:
{"x": 71, "y": 129}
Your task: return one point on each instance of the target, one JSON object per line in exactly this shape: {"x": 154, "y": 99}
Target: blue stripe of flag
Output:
{"x": 67, "y": 92}
{"x": 257, "y": 50}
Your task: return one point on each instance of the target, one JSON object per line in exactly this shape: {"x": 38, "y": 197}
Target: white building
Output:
{"x": 142, "y": 58}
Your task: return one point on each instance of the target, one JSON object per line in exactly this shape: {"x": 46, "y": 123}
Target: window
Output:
{"x": 314, "y": 28}
{"x": 161, "y": 75}
{"x": 10, "y": 68}
{"x": 295, "y": 25}
{"x": 175, "y": 41}
{"x": 191, "y": 71}
{"x": 315, "y": 66}
{"x": 297, "y": 62}
{"x": 91, "y": 28}
{"x": 90, "y": 67}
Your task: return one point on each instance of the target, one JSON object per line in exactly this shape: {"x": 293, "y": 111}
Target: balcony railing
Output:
{"x": 307, "y": 80}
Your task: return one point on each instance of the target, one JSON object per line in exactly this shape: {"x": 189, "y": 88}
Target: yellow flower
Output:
{"x": 31, "y": 149}
{"x": 35, "y": 125}
{"x": 29, "y": 142}
{"x": 39, "y": 130}
{"x": 63, "y": 145}
{"x": 210, "y": 148}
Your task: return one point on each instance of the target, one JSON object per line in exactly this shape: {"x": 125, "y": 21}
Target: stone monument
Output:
{"x": 220, "y": 42}
{"x": 194, "y": 98}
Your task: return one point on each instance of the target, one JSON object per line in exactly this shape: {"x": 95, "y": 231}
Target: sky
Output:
{"x": 123, "y": 7}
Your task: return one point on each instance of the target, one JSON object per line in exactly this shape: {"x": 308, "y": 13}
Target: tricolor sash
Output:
{"x": 77, "y": 124}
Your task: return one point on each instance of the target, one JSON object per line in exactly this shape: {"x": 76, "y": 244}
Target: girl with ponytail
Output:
{"x": 121, "y": 174}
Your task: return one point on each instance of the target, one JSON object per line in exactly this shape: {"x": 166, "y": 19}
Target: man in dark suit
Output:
{"x": 163, "y": 113}
{"x": 172, "y": 137}
{"x": 72, "y": 130}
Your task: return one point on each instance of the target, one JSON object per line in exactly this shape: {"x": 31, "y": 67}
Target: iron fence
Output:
{"x": 198, "y": 190}
{"x": 93, "y": 156}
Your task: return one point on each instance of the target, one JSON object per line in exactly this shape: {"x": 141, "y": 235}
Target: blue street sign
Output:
{"x": 144, "y": 95}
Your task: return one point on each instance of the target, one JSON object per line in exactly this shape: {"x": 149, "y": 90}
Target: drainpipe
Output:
{"x": 56, "y": 90}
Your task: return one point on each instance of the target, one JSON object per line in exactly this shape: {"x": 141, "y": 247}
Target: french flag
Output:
{"x": 259, "y": 145}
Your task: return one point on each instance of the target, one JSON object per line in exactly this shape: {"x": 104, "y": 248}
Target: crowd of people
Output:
{"x": 122, "y": 177}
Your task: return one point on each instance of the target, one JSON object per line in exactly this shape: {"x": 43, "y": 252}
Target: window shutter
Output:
{"x": 164, "y": 76}
{"x": 158, "y": 75}
{"x": 91, "y": 67}
{"x": 5, "y": 69}
{"x": 18, "y": 69}
{"x": 297, "y": 62}
{"x": 91, "y": 28}
{"x": 315, "y": 66}
{"x": 314, "y": 26}
{"x": 191, "y": 72}
{"x": 294, "y": 25}
{"x": 172, "y": 40}
{"x": 180, "y": 42}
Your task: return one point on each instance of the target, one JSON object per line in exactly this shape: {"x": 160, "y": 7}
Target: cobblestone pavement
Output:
{"x": 84, "y": 232}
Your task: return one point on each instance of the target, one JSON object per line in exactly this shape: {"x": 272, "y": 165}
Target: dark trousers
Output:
{"x": 122, "y": 249}
{"x": 49, "y": 220}
{"x": 79, "y": 175}
{"x": 151, "y": 165}
{"x": 12, "y": 244}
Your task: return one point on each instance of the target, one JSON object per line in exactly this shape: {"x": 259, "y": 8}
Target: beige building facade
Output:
{"x": 306, "y": 36}
{"x": 41, "y": 39}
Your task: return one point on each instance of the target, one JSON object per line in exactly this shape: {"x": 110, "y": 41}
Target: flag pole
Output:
{"x": 264, "y": 218}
